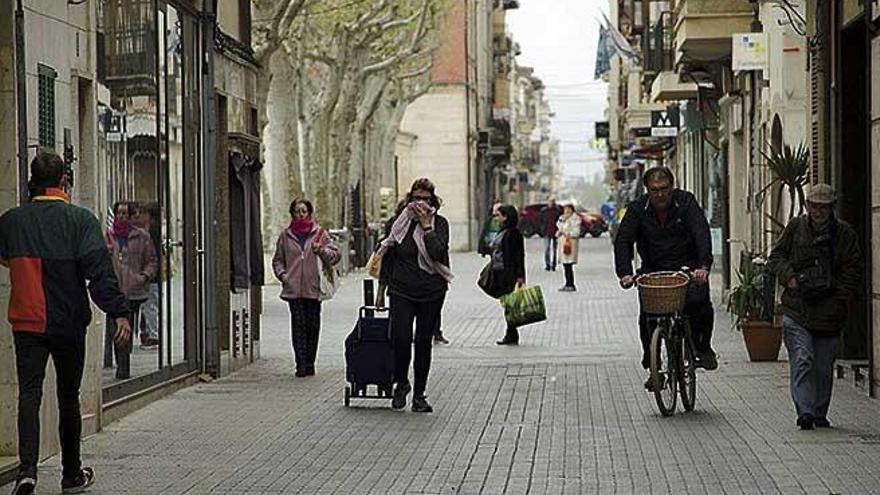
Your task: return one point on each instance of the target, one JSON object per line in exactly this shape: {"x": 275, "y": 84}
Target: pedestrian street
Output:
{"x": 564, "y": 412}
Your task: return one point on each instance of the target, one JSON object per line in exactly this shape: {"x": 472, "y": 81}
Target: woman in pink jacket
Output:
{"x": 302, "y": 251}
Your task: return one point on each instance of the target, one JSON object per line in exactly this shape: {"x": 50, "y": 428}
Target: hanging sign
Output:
{"x": 750, "y": 51}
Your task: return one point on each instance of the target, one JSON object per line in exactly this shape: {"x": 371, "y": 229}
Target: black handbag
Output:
{"x": 489, "y": 282}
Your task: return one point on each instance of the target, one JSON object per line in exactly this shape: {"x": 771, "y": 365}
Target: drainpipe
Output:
{"x": 869, "y": 230}
{"x": 21, "y": 103}
{"x": 467, "y": 125}
{"x": 211, "y": 364}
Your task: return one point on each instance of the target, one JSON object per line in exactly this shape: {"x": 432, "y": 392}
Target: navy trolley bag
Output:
{"x": 369, "y": 356}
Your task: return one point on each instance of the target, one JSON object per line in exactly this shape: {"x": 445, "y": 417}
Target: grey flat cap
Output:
{"x": 821, "y": 194}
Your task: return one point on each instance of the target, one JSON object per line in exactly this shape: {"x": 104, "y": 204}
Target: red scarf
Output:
{"x": 121, "y": 228}
{"x": 301, "y": 227}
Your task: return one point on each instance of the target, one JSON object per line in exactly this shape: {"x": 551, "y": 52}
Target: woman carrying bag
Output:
{"x": 415, "y": 271}
{"x": 303, "y": 259}
{"x": 568, "y": 230}
{"x": 508, "y": 262}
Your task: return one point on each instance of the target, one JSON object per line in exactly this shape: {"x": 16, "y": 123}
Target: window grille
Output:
{"x": 46, "y": 104}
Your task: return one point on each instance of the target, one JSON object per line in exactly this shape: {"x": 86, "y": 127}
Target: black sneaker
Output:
{"x": 421, "y": 405}
{"x": 649, "y": 384}
{"x": 707, "y": 360}
{"x": 79, "y": 483}
{"x": 400, "y": 393}
{"x": 310, "y": 371}
{"x": 821, "y": 423}
{"x": 24, "y": 486}
{"x": 806, "y": 422}
{"x": 439, "y": 339}
{"x": 300, "y": 372}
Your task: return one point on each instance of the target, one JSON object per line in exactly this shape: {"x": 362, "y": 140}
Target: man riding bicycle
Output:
{"x": 670, "y": 230}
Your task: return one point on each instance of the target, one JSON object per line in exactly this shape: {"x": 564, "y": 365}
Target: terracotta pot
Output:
{"x": 763, "y": 340}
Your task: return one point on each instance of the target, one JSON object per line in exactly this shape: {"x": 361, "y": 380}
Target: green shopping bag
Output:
{"x": 523, "y": 306}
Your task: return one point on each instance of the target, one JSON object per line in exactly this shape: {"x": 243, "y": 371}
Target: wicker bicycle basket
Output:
{"x": 663, "y": 292}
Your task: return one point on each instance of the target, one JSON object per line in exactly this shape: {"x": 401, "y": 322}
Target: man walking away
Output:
{"x": 51, "y": 248}
{"x": 670, "y": 231}
{"x": 549, "y": 216}
{"x": 818, "y": 262}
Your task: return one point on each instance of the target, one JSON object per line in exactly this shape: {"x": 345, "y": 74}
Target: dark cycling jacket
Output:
{"x": 683, "y": 241}
{"x": 51, "y": 248}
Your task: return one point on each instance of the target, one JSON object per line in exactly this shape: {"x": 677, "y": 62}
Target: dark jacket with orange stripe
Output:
{"x": 52, "y": 248}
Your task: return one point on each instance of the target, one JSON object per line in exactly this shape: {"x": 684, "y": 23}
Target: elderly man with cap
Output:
{"x": 818, "y": 263}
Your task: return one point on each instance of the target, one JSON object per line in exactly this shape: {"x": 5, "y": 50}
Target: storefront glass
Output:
{"x": 147, "y": 135}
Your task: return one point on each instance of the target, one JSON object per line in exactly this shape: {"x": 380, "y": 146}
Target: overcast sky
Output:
{"x": 558, "y": 38}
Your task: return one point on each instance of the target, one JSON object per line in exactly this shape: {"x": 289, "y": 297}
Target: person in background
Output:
{"x": 568, "y": 229}
{"x": 415, "y": 272}
{"x": 438, "y": 333}
{"x": 146, "y": 217}
{"x": 508, "y": 252}
{"x": 818, "y": 262}
{"x": 135, "y": 265}
{"x": 490, "y": 230}
{"x": 52, "y": 248}
{"x": 296, "y": 266}
{"x": 548, "y": 222}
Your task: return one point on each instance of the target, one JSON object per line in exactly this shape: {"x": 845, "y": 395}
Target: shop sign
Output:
{"x": 750, "y": 51}
{"x": 664, "y": 123}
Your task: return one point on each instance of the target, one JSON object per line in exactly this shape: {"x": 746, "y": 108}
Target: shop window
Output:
{"x": 46, "y": 104}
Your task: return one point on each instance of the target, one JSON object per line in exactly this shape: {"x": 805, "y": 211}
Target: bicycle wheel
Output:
{"x": 687, "y": 375}
{"x": 663, "y": 365}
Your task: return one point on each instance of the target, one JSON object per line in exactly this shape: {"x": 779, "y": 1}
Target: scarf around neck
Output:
{"x": 398, "y": 233}
{"x": 301, "y": 227}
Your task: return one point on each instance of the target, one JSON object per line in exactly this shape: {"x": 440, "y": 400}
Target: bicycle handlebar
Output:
{"x": 685, "y": 270}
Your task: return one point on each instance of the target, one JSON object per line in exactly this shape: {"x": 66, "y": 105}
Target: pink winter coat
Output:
{"x": 297, "y": 268}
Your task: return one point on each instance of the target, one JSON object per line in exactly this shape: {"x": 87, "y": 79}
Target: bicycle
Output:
{"x": 663, "y": 296}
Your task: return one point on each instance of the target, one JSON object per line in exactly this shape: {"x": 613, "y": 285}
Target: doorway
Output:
{"x": 853, "y": 167}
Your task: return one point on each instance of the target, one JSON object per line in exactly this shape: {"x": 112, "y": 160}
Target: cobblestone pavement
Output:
{"x": 565, "y": 412}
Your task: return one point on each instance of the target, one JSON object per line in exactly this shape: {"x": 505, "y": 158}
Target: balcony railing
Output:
{"x": 130, "y": 59}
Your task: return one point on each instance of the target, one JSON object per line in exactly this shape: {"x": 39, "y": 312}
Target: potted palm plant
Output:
{"x": 747, "y": 305}
{"x": 752, "y": 301}
{"x": 788, "y": 167}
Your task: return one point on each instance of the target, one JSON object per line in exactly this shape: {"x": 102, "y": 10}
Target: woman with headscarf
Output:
{"x": 508, "y": 252}
{"x": 415, "y": 272}
{"x": 296, "y": 265}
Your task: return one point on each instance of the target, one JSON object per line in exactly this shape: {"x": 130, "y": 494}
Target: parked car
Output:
{"x": 592, "y": 223}
{"x": 530, "y": 221}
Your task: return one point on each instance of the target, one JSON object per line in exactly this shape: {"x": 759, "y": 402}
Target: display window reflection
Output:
{"x": 146, "y": 137}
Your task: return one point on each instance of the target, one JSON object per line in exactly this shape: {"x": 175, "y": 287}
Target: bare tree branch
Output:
{"x": 282, "y": 18}
{"x": 418, "y": 72}
{"x": 418, "y": 35}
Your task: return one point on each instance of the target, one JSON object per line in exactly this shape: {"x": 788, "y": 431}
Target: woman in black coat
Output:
{"x": 415, "y": 271}
{"x": 509, "y": 246}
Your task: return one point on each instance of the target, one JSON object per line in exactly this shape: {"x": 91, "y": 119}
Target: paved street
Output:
{"x": 565, "y": 412}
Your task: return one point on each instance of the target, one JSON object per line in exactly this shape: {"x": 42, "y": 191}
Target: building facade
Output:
{"x": 153, "y": 104}
{"x": 806, "y": 76}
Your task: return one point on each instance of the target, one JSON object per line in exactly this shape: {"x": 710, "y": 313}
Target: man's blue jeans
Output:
{"x": 811, "y": 363}
{"x": 550, "y": 252}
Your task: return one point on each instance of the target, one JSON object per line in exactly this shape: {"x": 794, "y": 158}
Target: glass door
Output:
{"x": 175, "y": 221}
